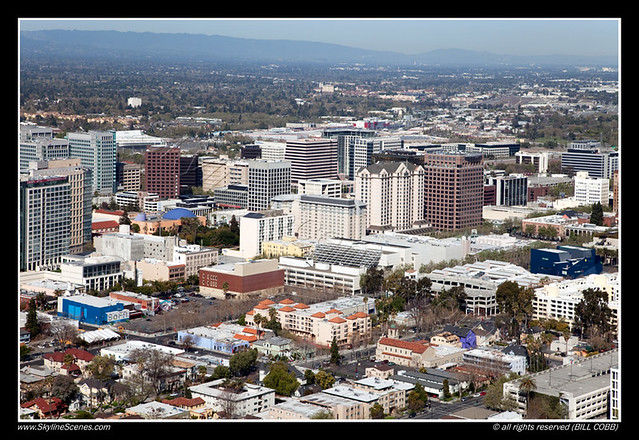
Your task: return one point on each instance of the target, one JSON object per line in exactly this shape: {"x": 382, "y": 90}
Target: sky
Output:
{"x": 544, "y": 36}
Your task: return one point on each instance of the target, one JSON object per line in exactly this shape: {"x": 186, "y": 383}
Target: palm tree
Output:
{"x": 526, "y": 385}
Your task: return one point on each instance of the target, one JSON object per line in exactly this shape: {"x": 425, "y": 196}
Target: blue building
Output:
{"x": 92, "y": 309}
{"x": 466, "y": 335}
{"x": 565, "y": 261}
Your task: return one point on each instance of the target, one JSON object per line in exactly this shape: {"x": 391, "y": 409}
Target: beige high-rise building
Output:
{"x": 79, "y": 197}
{"x": 394, "y": 194}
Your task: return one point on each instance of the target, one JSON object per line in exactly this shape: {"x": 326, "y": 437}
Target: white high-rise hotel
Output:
{"x": 394, "y": 194}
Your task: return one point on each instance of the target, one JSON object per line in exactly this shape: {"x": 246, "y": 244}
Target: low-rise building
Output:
{"x": 582, "y": 387}
{"x": 558, "y": 300}
{"x": 242, "y": 280}
{"x": 345, "y": 319}
{"x": 417, "y": 354}
{"x": 92, "y": 309}
{"x": 494, "y": 362}
{"x": 249, "y": 400}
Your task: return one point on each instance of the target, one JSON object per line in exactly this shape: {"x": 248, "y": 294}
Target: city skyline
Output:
{"x": 512, "y": 36}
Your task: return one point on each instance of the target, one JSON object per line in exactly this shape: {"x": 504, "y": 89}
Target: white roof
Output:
{"x": 99, "y": 335}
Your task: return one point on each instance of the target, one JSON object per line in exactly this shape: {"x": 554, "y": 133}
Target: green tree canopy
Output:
{"x": 280, "y": 379}
{"x": 243, "y": 362}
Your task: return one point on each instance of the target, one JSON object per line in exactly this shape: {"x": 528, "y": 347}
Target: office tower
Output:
{"x": 345, "y": 138}
{"x": 44, "y": 224}
{"x": 128, "y": 176}
{"x": 97, "y": 150}
{"x": 272, "y": 150}
{"x": 362, "y": 150}
{"x": 312, "y": 158}
{"x": 80, "y": 197}
{"x": 453, "y": 190}
{"x": 38, "y": 144}
{"x": 190, "y": 173}
{"x": 589, "y": 190}
{"x": 251, "y": 152}
{"x": 214, "y": 174}
{"x": 597, "y": 164}
{"x": 162, "y": 166}
{"x": 510, "y": 190}
{"x": 393, "y": 193}
{"x": 267, "y": 179}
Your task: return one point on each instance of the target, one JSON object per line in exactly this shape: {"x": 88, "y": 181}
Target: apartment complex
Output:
{"x": 44, "y": 223}
{"x": 558, "y": 300}
{"x": 162, "y": 166}
{"x": 80, "y": 195}
{"x": 264, "y": 226}
{"x": 453, "y": 190}
{"x": 393, "y": 193}
{"x": 345, "y": 319}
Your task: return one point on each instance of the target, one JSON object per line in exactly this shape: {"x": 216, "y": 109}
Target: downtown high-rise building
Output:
{"x": 80, "y": 198}
{"x": 394, "y": 195}
{"x": 44, "y": 221}
{"x": 267, "y": 179}
{"x": 453, "y": 190}
{"x": 162, "y": 171}
{"x": 97, "y": 151}
{"x": 312, "y": 158}
{"x": 38, "y": 143}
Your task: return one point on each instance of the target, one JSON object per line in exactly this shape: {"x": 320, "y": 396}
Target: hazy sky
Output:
{"x": 408, "y": 36}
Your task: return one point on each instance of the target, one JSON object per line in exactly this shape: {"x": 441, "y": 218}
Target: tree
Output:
{"x": 281, "y": 380}
{"x": 377, "y": 411}
{"x": 335, "y": 357}
{"x": 153, "y": 365}
{"x": 592, "y": 314}
{"x": 324, "y": 379}
{"x": 371, "y": 281}
{"x": 102, "y": 367}
{"x": 527, "y": 384}
{"x": 417, "y": 398}
{"x": 596, "y": 215}
{"x": 243, "y": 362}
{"x": 221, "y": 372}
{"x": 32, "y": 324}
{"x": 516, "y": 302}
{"x": 322, "y": 415}
{"x": 309, "y": 376}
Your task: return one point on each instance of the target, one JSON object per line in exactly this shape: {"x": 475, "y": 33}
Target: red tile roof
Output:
{"x": 416, "y": 347}
{"x": 337, "y": 320}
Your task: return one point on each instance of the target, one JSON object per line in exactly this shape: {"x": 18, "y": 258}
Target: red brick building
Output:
{"x": 254, "y": 278}
{"x": 162, "y": 170}
{"x": 454, "y": 190}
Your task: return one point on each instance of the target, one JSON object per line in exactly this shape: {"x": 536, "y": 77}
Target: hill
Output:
{"x": 198, "y": 47}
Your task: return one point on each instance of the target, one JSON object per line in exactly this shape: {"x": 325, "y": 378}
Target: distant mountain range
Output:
{"x": 197, "y": 47}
